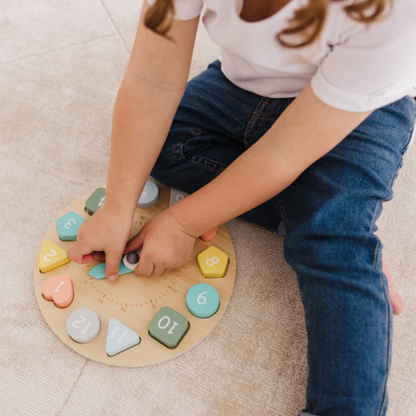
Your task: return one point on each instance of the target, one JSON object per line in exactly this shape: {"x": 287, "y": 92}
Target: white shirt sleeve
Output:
{"x": 184, "y": 9}
{"x": 373, "y": 65}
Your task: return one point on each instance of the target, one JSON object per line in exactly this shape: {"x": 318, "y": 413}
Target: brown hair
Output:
{"x": 307, "y": 22}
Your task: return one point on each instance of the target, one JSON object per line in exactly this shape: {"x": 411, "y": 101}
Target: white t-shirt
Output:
{"x": 352, "y": 66}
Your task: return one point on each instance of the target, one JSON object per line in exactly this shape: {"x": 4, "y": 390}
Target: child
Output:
{"x": 300, "y": 128}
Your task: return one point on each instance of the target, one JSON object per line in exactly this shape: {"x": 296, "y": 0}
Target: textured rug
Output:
{"x": 60, "y": 67}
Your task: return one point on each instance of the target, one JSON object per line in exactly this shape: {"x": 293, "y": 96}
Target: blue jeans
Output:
{"x": 328, "y": 216}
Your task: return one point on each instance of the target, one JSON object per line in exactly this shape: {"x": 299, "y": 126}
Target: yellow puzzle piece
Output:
{"x": 213, "y": 262}
{"x": 51, "y": 257}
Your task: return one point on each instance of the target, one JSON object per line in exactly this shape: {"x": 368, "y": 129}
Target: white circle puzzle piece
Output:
{"x": 131, "y": 260}
{"x": 83, "y": 325}
{"x": 149, "y": 196}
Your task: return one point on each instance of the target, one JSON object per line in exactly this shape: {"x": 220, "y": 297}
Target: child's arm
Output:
{"x": 307, "y": 130}
{"x": 148, "y": 98}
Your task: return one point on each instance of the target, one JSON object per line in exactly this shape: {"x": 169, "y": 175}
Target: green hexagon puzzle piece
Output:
{"x": 95, "y": 201}
{"x": 68, "y": 225}
{"x": 168, "y": 327}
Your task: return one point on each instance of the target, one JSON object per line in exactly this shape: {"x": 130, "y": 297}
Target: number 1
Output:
{"x": 60, "y": 284}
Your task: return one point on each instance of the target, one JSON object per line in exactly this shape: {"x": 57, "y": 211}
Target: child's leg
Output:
{"x": 330, "y": 214}
{"x": 215, "y": 123}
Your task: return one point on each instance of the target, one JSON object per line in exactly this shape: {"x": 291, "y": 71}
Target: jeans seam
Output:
{"x": 250, "y": 128}
{"x": 385, "y": 290}
{"x": 218, "y": 166}
{"x": 387, "y": 301}
{"x": 177, "y": 148}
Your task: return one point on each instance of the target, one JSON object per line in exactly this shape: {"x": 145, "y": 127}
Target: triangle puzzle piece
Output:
{"x": 98, "y": 271}
{"x": 51, "y": 257}
{"x": 68, "y": 225}
{"x": 119, "y": 338}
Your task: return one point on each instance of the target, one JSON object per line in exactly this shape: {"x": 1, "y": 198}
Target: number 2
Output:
{"x": 78, "y": 322}
{"x": 54, "y": 253}
{"x": 81, "y": 322}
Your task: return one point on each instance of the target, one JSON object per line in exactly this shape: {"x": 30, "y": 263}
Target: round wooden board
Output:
{"x": 133, "y": 300}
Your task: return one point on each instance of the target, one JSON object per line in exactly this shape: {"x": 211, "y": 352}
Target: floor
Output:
{"x": 60, "y": 67}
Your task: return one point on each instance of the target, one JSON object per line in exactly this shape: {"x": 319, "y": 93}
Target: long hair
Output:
{"x": 307, "y": 23}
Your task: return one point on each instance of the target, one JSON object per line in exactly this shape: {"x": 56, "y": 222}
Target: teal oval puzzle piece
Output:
{"x": 68, "y": 226}
{"x": 98, "y": 271}
{"x": 203, "y": 300}
{"x": 168, "y": 327}
{"x": 95, "y": 201}
{"x": 120, "y": 338}
{"x": 149, "y": 196}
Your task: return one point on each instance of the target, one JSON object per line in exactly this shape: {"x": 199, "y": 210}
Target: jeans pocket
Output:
{"x": 177, "y": 148}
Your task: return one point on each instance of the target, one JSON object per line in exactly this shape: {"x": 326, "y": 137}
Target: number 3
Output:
{"x": 68, "y": 224}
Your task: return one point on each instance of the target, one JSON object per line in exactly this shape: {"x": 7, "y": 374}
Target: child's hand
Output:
{"x": 102, "y": 237}
{"x": 166, "y": 246}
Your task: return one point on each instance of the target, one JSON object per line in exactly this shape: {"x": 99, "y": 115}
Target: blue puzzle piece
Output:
{"x": 98, "y": 271}
{"x": 203, "y": 300}
{"x": 68, "y": 226}
{"x": 119, "y": 338}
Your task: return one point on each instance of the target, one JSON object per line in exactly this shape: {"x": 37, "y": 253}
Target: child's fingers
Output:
{"x": 135, "y": 243}
{"x": 87, "y": 258}
{"x": 210, "y": 235}
{"x": 77, "y": 252}
{"x": 112, "y": 263}
{"x": 145, "y": 266}
{"x": 99, "y": 255}
{"x": 159, "y": 269}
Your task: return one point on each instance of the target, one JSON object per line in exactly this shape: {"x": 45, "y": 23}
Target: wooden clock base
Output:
{"x": 133, "y": 300}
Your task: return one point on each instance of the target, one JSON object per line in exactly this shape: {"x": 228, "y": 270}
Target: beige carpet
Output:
{"x": 60, "y": 66}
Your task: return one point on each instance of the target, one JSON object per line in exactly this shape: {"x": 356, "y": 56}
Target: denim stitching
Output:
{"x": 208, "y": 164}
{"x": 382, "y": 281}
{"x": 250, "y": 128}
{"x": 177, "y": 148}
{"x": 192, "y": 132}
{"x": 257, "y": 116}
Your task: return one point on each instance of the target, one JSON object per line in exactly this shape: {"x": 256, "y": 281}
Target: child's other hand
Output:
{"x": 102, "y": 237}
{"x": 166, "y": 246}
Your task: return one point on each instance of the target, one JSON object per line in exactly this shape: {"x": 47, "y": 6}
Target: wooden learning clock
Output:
{"x": 136, "y": 321}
